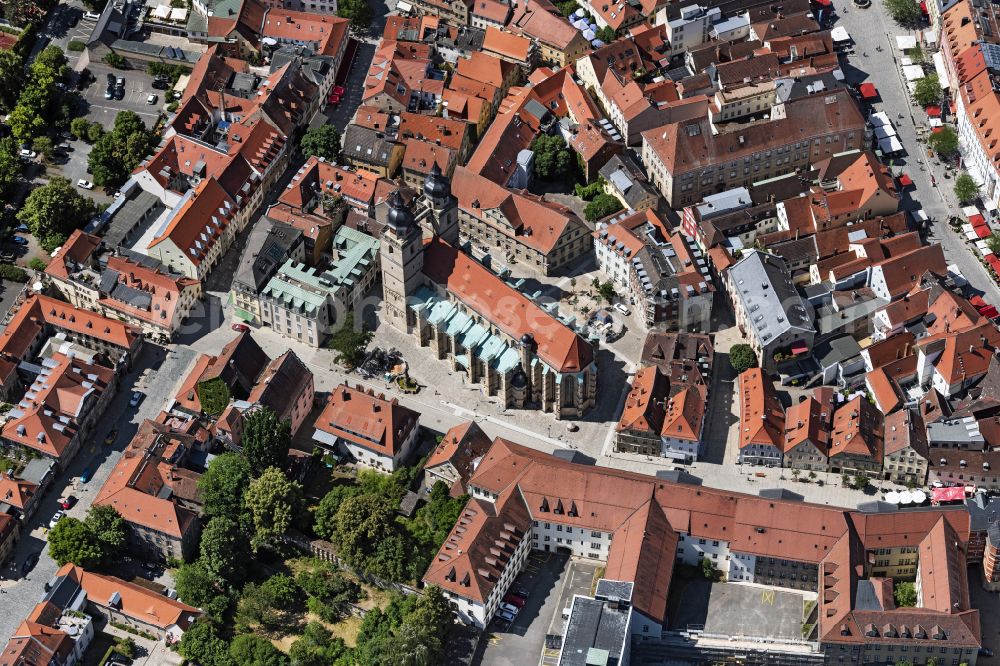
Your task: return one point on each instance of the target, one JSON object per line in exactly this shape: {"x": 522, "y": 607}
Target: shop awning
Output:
{"x": 990, "y": 311}
{"x": 994, "y": 262}
{"x": 977, "y": 220}
{"x": 933, "y": 110}
{"x": 977, "y": 302}
{"x": 923, "y": 7}
{"x": 939, "y": 495}
{"x": 905, "y": 181}
{"x": 983, "y": 231}
{"x": 799, "y": 347}
{"x": 868, "y": 91}
{"x": 941, "y": 70}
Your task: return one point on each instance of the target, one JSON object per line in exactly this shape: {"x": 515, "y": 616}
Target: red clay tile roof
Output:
{"x": 507, "y": 44}
{"x": 762, "y": 419}
{"x": 367, "y": 420}
{"x": 558, "y": 346}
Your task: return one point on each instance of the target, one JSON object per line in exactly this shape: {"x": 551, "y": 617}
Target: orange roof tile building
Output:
{"x": 762, "y": 420}
{"x": 663, "y": 416}
{"x": 155, "y": 494}
{"x": 122, "y": 286}
{"x": 375, "y": 432}
{"x": 518, "y": 225}
{"x": 505, "y": 342}
{"x": 60, "y": 408}
{"x": 640, "y": 526}
{"x": 455, "y": 458}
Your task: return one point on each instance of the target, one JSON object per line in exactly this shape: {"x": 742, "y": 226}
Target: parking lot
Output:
{"x": 138, "y": 86}
{"x": 552, "y": 580}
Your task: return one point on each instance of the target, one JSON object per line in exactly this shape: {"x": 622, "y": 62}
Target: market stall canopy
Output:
{"x": 905, "y": 42}
{"x": 868, "y": 91}
{"x": 840, "y": 34}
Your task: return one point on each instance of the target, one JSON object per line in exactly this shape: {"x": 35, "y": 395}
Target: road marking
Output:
{"x": 767, "y": 597}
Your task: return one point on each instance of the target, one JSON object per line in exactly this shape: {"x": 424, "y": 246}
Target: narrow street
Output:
{"x": 871, "y": 28}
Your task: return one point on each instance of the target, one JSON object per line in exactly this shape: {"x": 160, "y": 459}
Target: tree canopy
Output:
{"x": 359, "y": 12}
{"x": 116, "y": 153}
{"x": 905, "y": 594}
{"x": 601, "y": 206}
{"x": 11, "y": 165}
{"x": 223, "y": 549}
{"x": 203, "y": 645}
{"x": 965, "y": 188}
{"x": 317, "y": 647}
{"x": 322, "y": 141}
{"x": 410, "y": 630}
{"x": 350, "y": 342}
{"x": 553, "y": 158}
{"x": 904, "y": 12}
{"x": 223, "y": 485}
{"x": 72, "y": 541}
{"x": 53, "y": 211}
{"x": 742, "y": 358}
{"x": 944, "y": 142}
{"x": 927, "y": 91}
{"x": 39, "y": 102}
{"x": 254, "y": 650}
{"x": 266, "y": 439}
{"x": 109, "y": 528}
{"x": 11, "y": 78}
{"x": 273, "y": 501}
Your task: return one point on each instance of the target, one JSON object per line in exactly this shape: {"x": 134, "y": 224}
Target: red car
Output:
{"x": 67, "y": 502}
{"x": 242, "y": 328}
{"x": 514, "y": 600}
{"x": 339, "y": 90}
{"x": 333, "y": 99}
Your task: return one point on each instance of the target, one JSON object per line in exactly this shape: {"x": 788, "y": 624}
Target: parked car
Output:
{"x": 338, "y": 90}
{"x": 170, "y": 593}
{"x": 56, "y": 518}
{"x": 514, "y": 600}
{"x": 111, "y": 79}
{"x": 20, "y": 240}
{"x": 21, "y": 228}
{"x": 28, "y": 153}
{"x": 136, "y": 399}
{"x": 522, "y": 592}
{"x": 242, "y": 328}
{"x": 506, "y": 616}
{"x": 510, "y": 608}
{"x": 160, "y": 84}
{"x": 86, "y": 475}
{"x": 112, "y": 436}
{"x": 67, "y": 502}
{"x": 621, "y": 308}
{"x": 91, "y": 16}
{"x": 151, "y": 99}
{"x": 29, "y": 564}
{"x": 109, "y": 93}
{"x": 85, "y": 184}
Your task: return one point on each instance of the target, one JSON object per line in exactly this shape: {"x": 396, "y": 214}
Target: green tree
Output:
{"x": 317, "y": 647}
{"x": 273, "y": 501}
{"x": 116, "y": 153}
{"x": 223, "y": 485}
{"x": 927, "y": 91}
{"x": 904, "y": 12}
{"x": 434, "y": 520}
{"x": 37, "y": 264}
{"x": 78, "y": 127}
{"x": 553, "y": 158}
{"x": 203, "y": 645}
{"x": 254, "y": 650}
{"x": 11, "y": 78}
{"x": 54, "y": 210}
{"x": 327, "y": 584}
{"x": 567, "y": 7}
{"x": 359, "y": 12}
{"x": 72, "y": 541}
{"x": 861, "y": 481}
{"x": 905, "y": 594}
{"x": 362, "y": 523}
{"x": 196, "y": 585}
{"x": 44, "y": 146}
{"x": 993, "y": 242}
{"x": 11, "y": 165}
{"x": 607, "y": 291}
{"x": 944, "y": 142}
{"x": 267, "y": 605}
{"x": 108, "y": 528}
{"x": 350, "y": 342}
{"x": 601, "y": 206}
{"x": 606, "y": 34}
{"x": 709, "y": 570}
{"x": 223, "y": 548}
{"x": 742, "y": 358}
{"x": 265, "y": 441}
{"x": 965, "y": 188}
{"x": 94, "y": 132}
{"x": 326, "y": 513}
{"x": 322, "y": 141}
